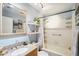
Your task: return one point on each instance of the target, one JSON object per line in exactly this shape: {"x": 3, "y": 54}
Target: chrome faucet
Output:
{"x": 16, "y": 44}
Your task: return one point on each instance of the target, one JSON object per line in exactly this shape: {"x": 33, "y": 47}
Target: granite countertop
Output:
{"x": 30, "y": 46}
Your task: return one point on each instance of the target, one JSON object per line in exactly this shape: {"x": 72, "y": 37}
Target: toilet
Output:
{"x": 42, "y": 53}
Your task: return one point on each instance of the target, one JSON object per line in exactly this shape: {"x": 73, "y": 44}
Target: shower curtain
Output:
{"x": 58, "y": 38}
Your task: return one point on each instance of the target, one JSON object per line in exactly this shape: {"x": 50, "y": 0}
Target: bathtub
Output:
{"x": 52, "y": 53}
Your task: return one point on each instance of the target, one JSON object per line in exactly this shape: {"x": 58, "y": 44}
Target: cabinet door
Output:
{"x": 32, "y": 53}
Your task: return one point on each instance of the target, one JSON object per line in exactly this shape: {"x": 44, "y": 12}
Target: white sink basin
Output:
{"x": 20, "y": 51}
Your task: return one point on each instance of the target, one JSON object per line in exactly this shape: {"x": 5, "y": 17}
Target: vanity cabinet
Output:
{"x": 32, "y": 53}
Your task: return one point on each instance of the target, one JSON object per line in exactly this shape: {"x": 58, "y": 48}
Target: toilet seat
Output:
{"x": 42, "y": 53}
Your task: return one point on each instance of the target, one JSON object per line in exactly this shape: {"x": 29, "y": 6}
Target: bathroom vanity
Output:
{"x": 19, "y": 26}
{"x": 28, "y": 50}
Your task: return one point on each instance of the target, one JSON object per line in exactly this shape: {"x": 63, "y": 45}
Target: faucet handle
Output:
{"x": 16, "y": 41}
{"x": 24, "y": 43}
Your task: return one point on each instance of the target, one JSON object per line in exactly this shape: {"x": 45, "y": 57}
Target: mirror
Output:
{"x": 13, "y": 19}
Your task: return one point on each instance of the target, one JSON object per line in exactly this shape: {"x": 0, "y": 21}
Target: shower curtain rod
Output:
{"x": 58, "y": 13}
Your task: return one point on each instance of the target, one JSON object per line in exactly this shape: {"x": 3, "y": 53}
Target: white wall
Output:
{"x": 59, "y": 21}
{"x": 55, "y": 22}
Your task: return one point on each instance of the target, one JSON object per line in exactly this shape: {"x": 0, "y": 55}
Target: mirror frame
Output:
{"x": 24, "y": 11}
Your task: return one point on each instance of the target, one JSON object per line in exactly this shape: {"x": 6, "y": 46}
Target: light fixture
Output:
{"x": 42, "y": 5}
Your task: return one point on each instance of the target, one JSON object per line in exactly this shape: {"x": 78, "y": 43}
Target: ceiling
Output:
{"x": 53, "y": 8}
{"x": 48, "y": 8}
{"x": 56, "y": 8}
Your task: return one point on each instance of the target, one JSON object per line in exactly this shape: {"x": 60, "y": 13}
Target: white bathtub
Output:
{"x": 52, "y": 53}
